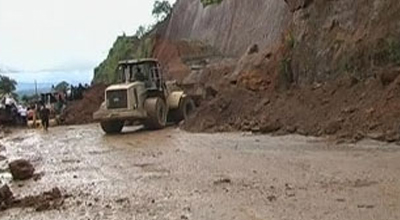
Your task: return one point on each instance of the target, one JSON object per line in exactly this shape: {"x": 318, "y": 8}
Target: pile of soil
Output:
{"x": 48, "y": 200}
{"x": 81, "y": 111}
{"x": 341, "y": 108}
{"x": 256, "y": 97}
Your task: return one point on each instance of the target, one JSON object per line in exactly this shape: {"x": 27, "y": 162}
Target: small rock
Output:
{"x": 222, "y": 181}
{"x": 290, "y": 194}
{"x": 265, "y": 101}
{"x": 365, "y": 206}
{"x": 5, "y": 194}
{"x": 270, "y": 127}
{"x": 122, "y": 200}
{"x": 349, "y": 110}
{"x": 379, "y": 136}
{"x": 271, "y": 198}
{"x": 333, "y": 127}
{"x": 37, "y": 176}
{"x": 21, "y": 169}
{"x": 2, "y": 158}
{"x": 288, "y": 186}
{"x": 252, "y": 49}
{"x": 184, "y": 217}
{"x": 43, "y": 206}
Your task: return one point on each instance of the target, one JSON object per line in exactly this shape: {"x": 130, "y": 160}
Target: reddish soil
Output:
{"x": 343, "y": 108}
{"x": 256, "y": 96}
{"x": 81, "y": 111}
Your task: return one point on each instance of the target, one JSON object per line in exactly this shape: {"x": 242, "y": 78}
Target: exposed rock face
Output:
{"x": 231, "y": 26}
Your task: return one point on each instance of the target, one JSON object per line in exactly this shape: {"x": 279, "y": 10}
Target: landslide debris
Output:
{"x": 334, "y": 72}
{"x": 81, "y": 111}
{"x": 48, "y": 200}
{"x": 21, "y": 169}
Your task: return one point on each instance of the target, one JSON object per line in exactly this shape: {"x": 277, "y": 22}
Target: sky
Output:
{"x": 52, "y": 38}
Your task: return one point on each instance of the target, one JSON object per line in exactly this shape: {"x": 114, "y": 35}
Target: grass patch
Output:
{"x": 387, "y": 51}
{"x": 210, "y": 2}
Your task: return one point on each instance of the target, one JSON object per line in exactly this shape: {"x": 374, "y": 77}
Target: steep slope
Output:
{"x": 230, "y": 26}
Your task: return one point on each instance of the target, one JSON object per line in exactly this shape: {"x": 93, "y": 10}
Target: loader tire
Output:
{"x": 185, "y": 109}
{"x": 157, "y": 113}
{"x": 112, "y": 127}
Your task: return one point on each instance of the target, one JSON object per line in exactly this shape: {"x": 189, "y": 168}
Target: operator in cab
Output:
{"x": 139, "y": 76}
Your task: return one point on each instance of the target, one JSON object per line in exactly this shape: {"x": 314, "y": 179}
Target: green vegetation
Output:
{"x": 210, "y": 2}
{"x": 379, "y": 54}
{"x": 123, "y": 48}
{"x": 7, "y": 85}
{"x": 290, "y": 41}
{"x": 285, "y": 72}
{"x": 161, "y": 9}
{"x": 137, "y": 46}
{"x": 62, "y": 86}
{"x": 388, "y": 51}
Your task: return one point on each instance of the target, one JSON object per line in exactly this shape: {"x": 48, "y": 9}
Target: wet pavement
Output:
{"x": 172, "y": 174}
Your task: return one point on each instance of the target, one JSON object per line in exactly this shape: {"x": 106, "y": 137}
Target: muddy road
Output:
{"x": 171, "y": 174}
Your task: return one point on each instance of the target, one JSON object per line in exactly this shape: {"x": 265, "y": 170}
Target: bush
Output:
{"x": 210, "y": 2}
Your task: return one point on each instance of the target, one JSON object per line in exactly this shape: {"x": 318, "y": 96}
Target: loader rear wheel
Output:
{"x": 112, "y": 127}
{"x": 157, "y": 113}
{"x": 185, "y": 109}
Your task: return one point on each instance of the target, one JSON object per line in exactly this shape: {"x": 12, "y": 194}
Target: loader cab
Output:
{"x": 147, "y": 71}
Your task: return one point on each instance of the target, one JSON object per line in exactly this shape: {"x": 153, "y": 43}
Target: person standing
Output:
{"x": 44, "y": 116}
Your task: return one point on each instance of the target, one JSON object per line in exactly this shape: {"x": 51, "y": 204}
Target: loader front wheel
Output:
{"x": 157, "y": 113}
{"x": 112, "y": 127}
{"x": 185, "y": 109}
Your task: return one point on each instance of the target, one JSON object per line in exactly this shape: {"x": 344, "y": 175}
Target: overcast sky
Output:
{"x": 65, "y": 34}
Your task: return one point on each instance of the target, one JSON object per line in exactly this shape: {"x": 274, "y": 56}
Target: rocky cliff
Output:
{"x": 230, "y": 26}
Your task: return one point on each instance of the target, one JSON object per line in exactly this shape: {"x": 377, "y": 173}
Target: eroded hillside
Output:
{"x": 311, "y": 67}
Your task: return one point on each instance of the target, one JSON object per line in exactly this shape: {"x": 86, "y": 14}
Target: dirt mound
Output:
{"x": 44, "y": 201}
{"x": 21, "y": 169}
{"x": 81, "y": 111}
{"x": 341, "y": 108}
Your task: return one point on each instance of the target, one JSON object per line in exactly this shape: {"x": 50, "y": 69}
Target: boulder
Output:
{"x": 5, "y": 194}
{"x": 21, "y": 169}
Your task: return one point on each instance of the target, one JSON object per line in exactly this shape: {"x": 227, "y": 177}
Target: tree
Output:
{"x": 7, "y": 85}
{"x": 25, "y": 98}
{"x": 161, "y": 9}
{"x": 62, "y": 86}
{"x": 140, "y": 32}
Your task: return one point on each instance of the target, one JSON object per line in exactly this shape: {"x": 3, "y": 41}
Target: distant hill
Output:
{"x": 29, "y": 88}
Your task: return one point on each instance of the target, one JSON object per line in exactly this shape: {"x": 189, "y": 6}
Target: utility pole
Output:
{"x": 36, "y": 92}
